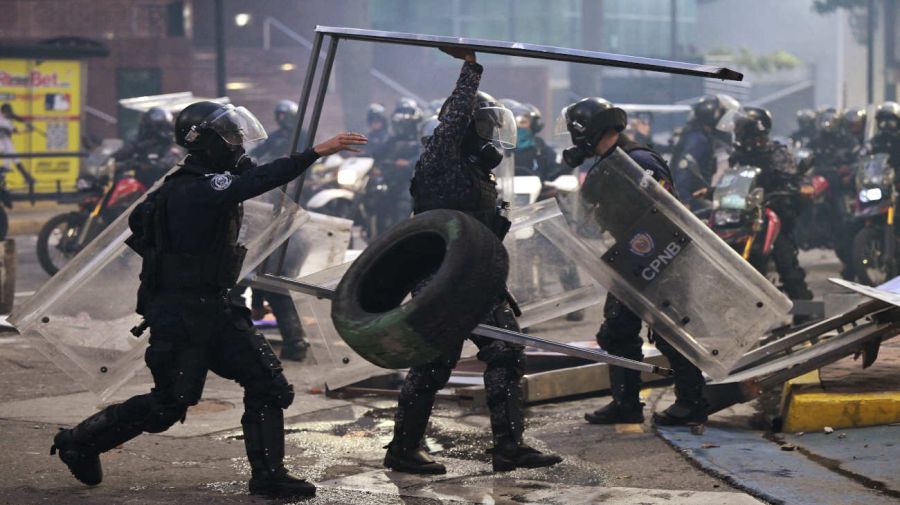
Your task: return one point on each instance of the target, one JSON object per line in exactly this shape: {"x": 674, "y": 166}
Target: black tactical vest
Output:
{"x": 480, "y": 202}
{"x": 166, "y": 272}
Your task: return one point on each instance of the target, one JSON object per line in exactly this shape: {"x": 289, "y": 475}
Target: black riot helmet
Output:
{"x": 491, "y": 130}
{"x": 806, "y": 119}
{"x": 854, "y": 121}
{"x": 406, "y": 118}
{"x": 887, "y": 118}
{"x": 215, "y": 133}
{"x": 286, "y": 114}
{"x": 828, "y": 122}
{"x": 375, "y": 113}
{"x": 156, "y": 123}
{"x": 528, "y": 116}
{"x": 710, "y": 111}
{"x": 586, "y": 122}
{"x": 751, "y": 128}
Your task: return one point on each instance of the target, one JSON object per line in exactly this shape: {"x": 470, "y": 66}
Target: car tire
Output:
{"x": 467, "y": 265}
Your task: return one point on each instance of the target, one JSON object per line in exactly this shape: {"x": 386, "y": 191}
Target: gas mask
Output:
{"x": 574, "y": 156}
{"x": 479, "y": 152}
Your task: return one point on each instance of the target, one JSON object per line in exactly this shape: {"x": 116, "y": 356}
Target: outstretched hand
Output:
{"x": 341, "y": 142}
{"x": 462, "y": 53}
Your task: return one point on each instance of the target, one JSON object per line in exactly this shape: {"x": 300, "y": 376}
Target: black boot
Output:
{"x": 80, "y": 447}
{"x": 414, "y": 460}
{"x": 509, "y": 455}
{"x": 626, "y": 406}
{"x": 264, "y": 441}
{"x": 690, "y": 406}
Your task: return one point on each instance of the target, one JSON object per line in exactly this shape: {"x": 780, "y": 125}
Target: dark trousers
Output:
{"x": 505, "y": 367}
{"x": 186, "y": 341}
{"x": 620, "y": 334}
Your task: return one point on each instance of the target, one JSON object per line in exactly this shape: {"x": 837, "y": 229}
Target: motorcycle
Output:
{"x": 101, "y": 199}
{"x": 875, "y": 244}
{"x": 741, "y": 217}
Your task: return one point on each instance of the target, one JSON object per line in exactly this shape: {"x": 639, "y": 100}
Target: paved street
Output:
{"x": 337, "y": 443}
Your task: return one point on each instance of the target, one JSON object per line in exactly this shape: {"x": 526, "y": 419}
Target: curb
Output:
{"x": 26, "y": 226}
{"x": 810, "y": 409}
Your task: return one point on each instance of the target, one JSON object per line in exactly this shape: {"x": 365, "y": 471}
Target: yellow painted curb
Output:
{"x": 814, "y": 410}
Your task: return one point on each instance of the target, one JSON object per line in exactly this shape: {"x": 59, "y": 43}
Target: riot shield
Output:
{"x": 636, "y": 239}
{"x": 81, "y": 318}
{"x": 540, "y": 257}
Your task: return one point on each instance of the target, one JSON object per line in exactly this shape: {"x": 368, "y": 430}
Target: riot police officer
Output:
{"x": 387, "y": 197}
{"x": 595, "y": 126}
{"x": 278, "y": 143}
{"x": 780, "y": 180}
{"x": 806, "y": 127}
{"x": 887, "y": 134}
{"x": 853, "y": 121}
{"x": 152, "y": 153}
{"x": 377, "y": 124}
{"x": 186, "y": 232}
{"x": 693, "y": 157}
{"x": 455, "y": 172}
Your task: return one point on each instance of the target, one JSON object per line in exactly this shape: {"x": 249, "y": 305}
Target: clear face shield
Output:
{"x": 732, "y": 112}
{"x": 497, "y": 125}
{"x": 237, "y": 126}
{"x": 561, "y": 128}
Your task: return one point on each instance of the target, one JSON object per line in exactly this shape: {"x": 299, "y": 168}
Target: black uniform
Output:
{"x": 694, "y": 163}
{"x": 888, "y": 143}
{"x": 387, "y": 194}
{"x": 779, "y": 174}
{"x": 187, "y": 232}
{"x": 443, "y": 180}
{"x": 620, "y": 332}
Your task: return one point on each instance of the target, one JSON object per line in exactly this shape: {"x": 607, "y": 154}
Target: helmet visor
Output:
{"x": 561, "y": 128}
{"x": 496, "y": 124}
{"x": 237, "y": 125}
{"x": 732, "y": 109}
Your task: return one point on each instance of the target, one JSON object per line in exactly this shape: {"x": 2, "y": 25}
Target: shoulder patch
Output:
{"x": 220, "y": 182}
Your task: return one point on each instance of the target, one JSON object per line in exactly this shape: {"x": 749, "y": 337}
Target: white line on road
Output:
{"x": 25, "y": 293}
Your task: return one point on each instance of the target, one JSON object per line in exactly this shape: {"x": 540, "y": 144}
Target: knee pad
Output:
{"x": 273, "y": 391}
{"x": 428, "y": 379}
{"x": 503, "y": 355}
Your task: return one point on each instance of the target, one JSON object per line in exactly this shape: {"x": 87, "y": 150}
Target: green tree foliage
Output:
{"x": 760, "y": 64}
{"x": 826, "y": 6}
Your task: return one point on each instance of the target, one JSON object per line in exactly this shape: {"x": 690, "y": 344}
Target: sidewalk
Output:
{"x": 27, "y": 219}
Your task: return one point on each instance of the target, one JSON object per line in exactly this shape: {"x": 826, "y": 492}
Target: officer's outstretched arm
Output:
{"x": 226, "y": 189}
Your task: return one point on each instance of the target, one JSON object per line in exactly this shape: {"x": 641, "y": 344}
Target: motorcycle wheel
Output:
{"x": 4, "y": 223}
{"x": 872, "y": 265}
{"x": 57, "y": 241}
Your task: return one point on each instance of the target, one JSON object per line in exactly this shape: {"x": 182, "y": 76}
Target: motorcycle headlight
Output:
{"x": 727, "y": 217}
{"x": 870, "y": 195}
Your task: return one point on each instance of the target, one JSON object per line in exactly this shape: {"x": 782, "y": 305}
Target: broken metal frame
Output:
{"x": 268, "y": 281}
{"x": 484, "y": 46}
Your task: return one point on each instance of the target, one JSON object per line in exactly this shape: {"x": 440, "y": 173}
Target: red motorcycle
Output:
{"x": 740, "y": 216}
{"x": 100, "y": 201}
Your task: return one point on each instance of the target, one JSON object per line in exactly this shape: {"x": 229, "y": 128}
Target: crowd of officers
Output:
{"x": 186, "y": 232}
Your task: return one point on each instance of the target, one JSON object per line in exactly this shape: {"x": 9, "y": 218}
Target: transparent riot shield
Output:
{"x": 340, "y": 365}
{"x": 636, "y": 239}
{"x": 82, "y": 317}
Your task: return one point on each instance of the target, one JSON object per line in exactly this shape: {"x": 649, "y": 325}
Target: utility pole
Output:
{"x": 219, "y": 19}
{"x": 673, "y": 44}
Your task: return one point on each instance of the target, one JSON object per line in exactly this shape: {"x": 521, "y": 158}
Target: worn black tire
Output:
{"x": 861, "y": 250}
{"x": 469, "y": 267}
{"x": 72, "y": 220}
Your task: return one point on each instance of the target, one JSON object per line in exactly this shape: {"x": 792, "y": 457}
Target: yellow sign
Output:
{"x": 40, "y": 123}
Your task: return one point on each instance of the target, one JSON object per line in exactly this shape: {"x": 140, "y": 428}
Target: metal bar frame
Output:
{"x": 270, "y": 282}
{"x": 480, "y": 45}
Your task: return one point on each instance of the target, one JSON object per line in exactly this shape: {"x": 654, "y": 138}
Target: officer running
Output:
{"x": 186, "y": 232}
{"x": 595, "y": 126}
{"x": 454, "y": 172}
